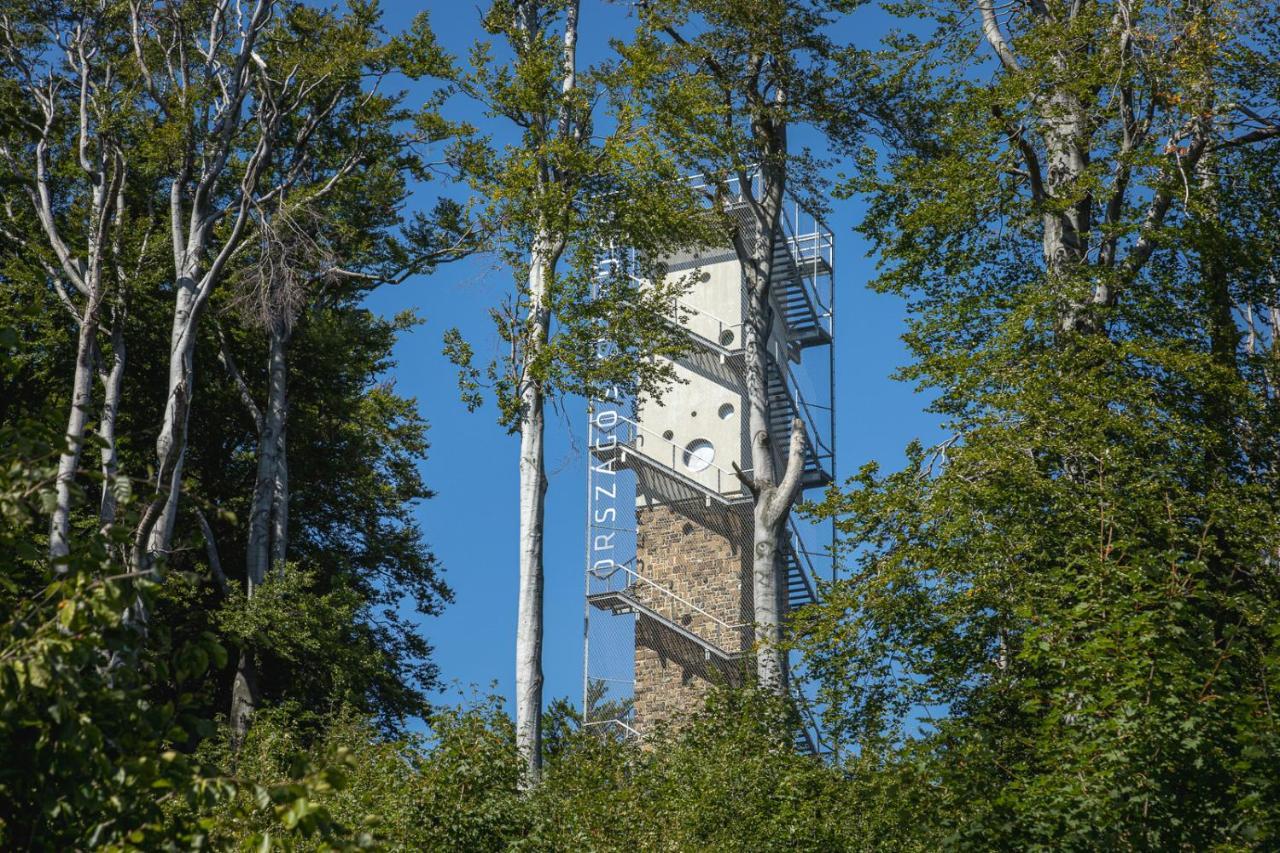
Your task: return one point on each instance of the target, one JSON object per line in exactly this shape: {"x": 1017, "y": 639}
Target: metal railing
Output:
{"x": 665, "y": 452}
{"x": 630, "y": 732}
{"x": 810, "y": 241}
{"x": 817, "y": 438}
{"x": 679, "y": 306}
{"x": 607, "y": 577}
{"x": 802, "y": 554}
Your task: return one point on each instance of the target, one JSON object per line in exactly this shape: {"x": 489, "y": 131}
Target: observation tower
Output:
{"x": 668, "y": 550}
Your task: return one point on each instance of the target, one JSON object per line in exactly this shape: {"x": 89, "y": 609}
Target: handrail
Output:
{"x": 641, "y": 432}
{"x": 815, "y": 437}
{"x": 720, "y": 321}
{"x": 614, "y": 722}
{"x": 679, "y": 304}
{"x": 662, "y": 589}
{"x": 820, "y": 237}
{"x": 802, "y": 555}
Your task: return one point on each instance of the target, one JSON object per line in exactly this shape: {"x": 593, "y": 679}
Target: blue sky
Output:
{"x": 472, "y": 523}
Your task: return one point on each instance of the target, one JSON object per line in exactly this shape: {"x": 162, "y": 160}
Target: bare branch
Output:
{"x": 211, "y": 549}
{"x": 789, "y": 487}
{"x": 233, "y": 371}
{"x": 991, "y": 29}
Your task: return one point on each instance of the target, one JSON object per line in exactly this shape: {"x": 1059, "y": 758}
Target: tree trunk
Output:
{"x": 244, "y": 697}
{"x": 268, "y": 520}
{"x": 533, "y": 488}
{"x": 77, "y": 422}
{"x": 280, "y": 501}
{"x": 171, "y": 444}
{"x": 88, "y": 280}
{"x": 773, "y": 497}
{"x": 1066, "y": 232}
{"x": 268, "y": 482}
{"x": 112, "y": 384}
{"x": 543, "y": 257}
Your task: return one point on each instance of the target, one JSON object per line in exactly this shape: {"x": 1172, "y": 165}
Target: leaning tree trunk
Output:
{"x": 268, "y": 519}
{"x": 77, "y": 423}
{"x": 87, "y": 278}
{"x": 533, "y": 488}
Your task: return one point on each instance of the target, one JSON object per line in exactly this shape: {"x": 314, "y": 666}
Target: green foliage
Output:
{"x": 727, "y": 81}
{"x": 556, "y": 203}
{"x": 731, "y": 781}
{"x": 456, "y": 792}
{"x": 1058, "y": 624}
{"x": 93, "y": 758}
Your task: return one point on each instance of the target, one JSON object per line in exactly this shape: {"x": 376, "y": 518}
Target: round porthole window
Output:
{"x": 699, "y": 455}
{"x": 726, "y": 411}
{"x": 726, "y": 338}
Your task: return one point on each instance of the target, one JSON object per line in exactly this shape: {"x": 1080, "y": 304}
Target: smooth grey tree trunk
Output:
{"x": 268, "y": 519}
{"x": 77, "y": 423}
{"x": 774, "y": 496}
{"x": 112, "y": 386}
{"x": 101, "y": 164}
{"x": 86, "y": 276}
{"x": 533, "y": 488}
{"x": 171, "y": 444}
{"x": 280, "y": 501}
{"x": 543, "y": 257}
{"x": 258, "y": 557}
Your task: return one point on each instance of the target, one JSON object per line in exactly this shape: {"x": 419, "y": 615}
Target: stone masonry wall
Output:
{"x": 703, "y": 559}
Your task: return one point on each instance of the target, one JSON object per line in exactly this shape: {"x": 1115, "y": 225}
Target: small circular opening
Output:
{"x": 726, "y": 411}
{"x": 668, "y": 435}
{"x": 727, "y": 337}
{"x": 699, "y": 455}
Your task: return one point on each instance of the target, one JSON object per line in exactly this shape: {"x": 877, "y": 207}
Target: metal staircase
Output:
{"x": 796, "y": 260}
{"x": 796, "y": 574}
{"x": 782, "y": 411}
{"x": 804, "y": 741}
{"x": 798, "y": 306}
{"x": 623, "y": 601}
{"x": 662, "y": 477}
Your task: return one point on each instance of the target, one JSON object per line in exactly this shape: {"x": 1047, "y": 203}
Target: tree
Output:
{"x": 731, "y": 81}
{"x": 1052, "y": 606}
{"x": 71, "y": 153}
{"x": 89, "y": 751}
{"x": 328, "y": 229}
{"x": 558, "y": 201}
{"x": 352, "y": 152}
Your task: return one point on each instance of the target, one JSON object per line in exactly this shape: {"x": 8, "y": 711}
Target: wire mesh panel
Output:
{"x": 611, "y": 558}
